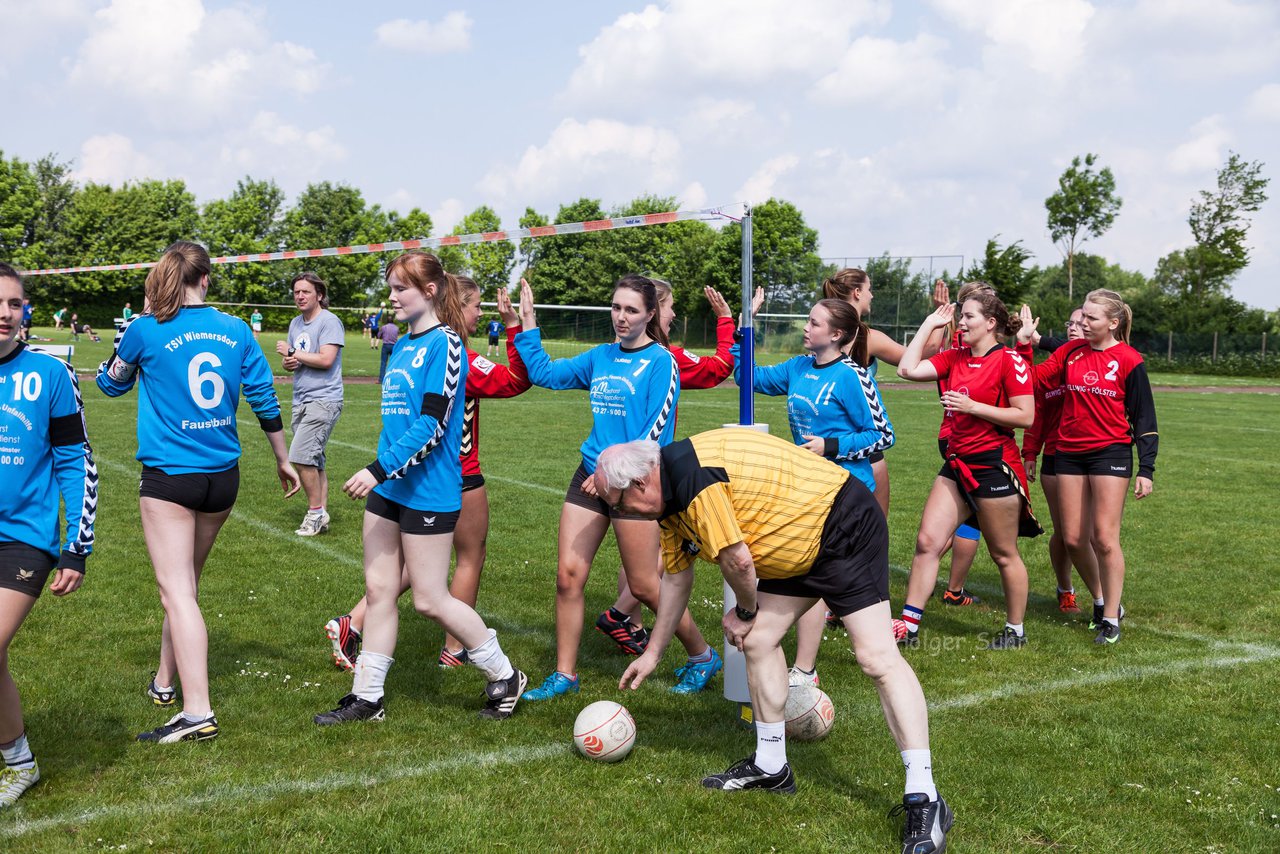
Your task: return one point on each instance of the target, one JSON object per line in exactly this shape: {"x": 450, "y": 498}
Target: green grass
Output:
{"x": 1164, "y": 742}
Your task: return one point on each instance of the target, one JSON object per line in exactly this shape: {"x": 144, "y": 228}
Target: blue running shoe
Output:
{"x": 694, "y": 676}
{"x": 555, "y": 685}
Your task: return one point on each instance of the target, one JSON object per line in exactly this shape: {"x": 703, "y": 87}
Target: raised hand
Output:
{"x": 719, "y": 306}
{"x": 528, "y": 318}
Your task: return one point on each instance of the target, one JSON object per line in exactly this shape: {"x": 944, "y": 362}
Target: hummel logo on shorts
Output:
{"x": 428, "y": 520}
{"x": 26, "y": 574}
{"x": 1119, "y": 468}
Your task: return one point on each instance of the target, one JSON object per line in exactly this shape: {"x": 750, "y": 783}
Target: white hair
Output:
{"x": 622, "y": 465}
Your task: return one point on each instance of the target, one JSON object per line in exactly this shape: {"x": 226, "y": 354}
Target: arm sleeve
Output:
{"x": 711, "y": 515}
{"x": 772, "y": 380}
{"x": 489, "y": 379}
{"x": 120, "y": 371}
{"x": 942, "y": 362}
{"x": 709, "y": 371}
{"x": 441, "y": 384}
{"x": 1140, "y": 407}
{"x": 74, "y": 469}
{"x": 1033, "y": 436}
{"x": 555, "y": 374}
{"x": 861, "y": 400}
{"x": 1051, "y": 372}
{"x": 675, "y": 557}
{"x": 1051, "y": 344}
{"x": 663, "y": 392}
{"x": 331, "y": 332}
{"x": 259, "y": 385}
{"x": 1016, "y": 376}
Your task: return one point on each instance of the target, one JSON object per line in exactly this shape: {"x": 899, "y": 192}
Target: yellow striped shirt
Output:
{"x": 735, "y": 485}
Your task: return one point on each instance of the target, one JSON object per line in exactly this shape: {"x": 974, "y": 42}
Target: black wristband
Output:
{"x": 745, "y": 615}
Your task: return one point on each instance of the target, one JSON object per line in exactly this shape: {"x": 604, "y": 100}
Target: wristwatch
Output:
{"x": 745, "y": 615}
{"x": 292, "y": 350}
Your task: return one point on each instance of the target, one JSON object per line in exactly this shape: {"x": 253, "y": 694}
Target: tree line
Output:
{"x": 47, "y": 219}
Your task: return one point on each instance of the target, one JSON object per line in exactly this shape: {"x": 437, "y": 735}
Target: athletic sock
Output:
{"x": 702, "y": 657}
{"x": 197, "y": 719}
{"x": 1017, "y": 628}
{"x": 371, "y": 675}
{"x": 1099, "y": 602}
{"x": 17, "y": 753}
{"x": 1115, "y": 621}
{"x": 771, "y": 746}
{"x": 1068, "y": 590}
{"x": 800, "y": 669}
{"x": 912, "y": 617}
{"x": 166, "y": 689}
{"x": 491, "y": 660}
{"x": 919, "y": 773}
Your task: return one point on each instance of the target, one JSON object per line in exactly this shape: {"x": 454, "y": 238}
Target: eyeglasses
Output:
{"x": 1073, "y": 323}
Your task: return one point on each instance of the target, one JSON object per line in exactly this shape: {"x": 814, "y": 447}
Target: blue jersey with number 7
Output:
{"x": 189, "y": 372}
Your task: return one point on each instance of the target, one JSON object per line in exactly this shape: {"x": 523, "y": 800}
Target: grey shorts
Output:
{"x": 312, "y": 425}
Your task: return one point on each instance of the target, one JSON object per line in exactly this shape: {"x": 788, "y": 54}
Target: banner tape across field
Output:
{"x": 638, "y": 221}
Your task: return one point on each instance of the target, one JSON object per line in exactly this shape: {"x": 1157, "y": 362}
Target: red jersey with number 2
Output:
{"x": 1095, "y": 411}
{"x": 993, "y": 378}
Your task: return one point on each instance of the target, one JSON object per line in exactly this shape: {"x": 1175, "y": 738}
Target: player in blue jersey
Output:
{"x": 494, "y": 328}
{"x": 192, "y": 361}
{"x": 634, "y": 384}
{"x": 44, "y": 455}
{"x": 835, "y": 411}
{"x": 414, "y": 492}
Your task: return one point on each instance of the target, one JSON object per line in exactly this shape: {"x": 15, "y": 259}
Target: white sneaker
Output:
{"x": 315, "y": 522}
{"x": 15, "y": 781}
{"x": 797, "y": 677}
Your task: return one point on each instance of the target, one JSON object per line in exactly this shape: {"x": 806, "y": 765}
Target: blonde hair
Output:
{"x": 420, "y": 269}
{"x": 1114, "y": 308}
{"x": 466, "y": 287}
{"x": 181, "y": 266}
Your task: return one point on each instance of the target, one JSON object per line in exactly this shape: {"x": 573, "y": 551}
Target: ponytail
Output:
{"x": 181, "y": 266}
{"x": 845, "y": 318}
{"x": 450, "y": 308}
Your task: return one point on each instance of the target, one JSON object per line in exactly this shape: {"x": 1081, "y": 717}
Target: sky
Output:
{"x": 913, "y": 128}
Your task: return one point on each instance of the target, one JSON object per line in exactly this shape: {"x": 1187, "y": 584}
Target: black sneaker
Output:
{"x": 629, "y": 638}
{"x": 1107, "y": 633}
{"x": 160, "y": 698}
{"x": 1007, "y": 639}
{"x": 179, "y": 729}
{"x": 744, "y": 774}
{"x": 352, "y": 708}
{"x": 1095, "y": 622}
{"x": 925, "y": 830}
{"x": 501, "y": 696}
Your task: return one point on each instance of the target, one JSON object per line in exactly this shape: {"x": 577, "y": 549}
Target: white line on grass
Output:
{"x": 263, "y": 792}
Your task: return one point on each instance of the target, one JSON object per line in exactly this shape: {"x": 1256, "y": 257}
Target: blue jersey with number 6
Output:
{"x": 190, "y": 370}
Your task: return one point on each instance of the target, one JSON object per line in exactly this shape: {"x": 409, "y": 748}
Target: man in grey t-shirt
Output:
{"x": 313, "y": 354}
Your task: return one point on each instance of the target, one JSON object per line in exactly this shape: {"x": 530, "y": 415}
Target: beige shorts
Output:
{"x": 312, "y": 425}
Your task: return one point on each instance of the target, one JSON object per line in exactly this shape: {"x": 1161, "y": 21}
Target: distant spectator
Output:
{"x": 255, "y": 323}
{"x": 388, "y": 335}
{"x": 495, "y": 328}
{"x": 58, "y": 317}
{"x": 27, "y": 311}
{"x": 126, "y": 312}
{"x": 78, "y": 329}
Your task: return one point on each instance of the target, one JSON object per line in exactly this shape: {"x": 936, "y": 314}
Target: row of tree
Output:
{"x": 49, "y": 220}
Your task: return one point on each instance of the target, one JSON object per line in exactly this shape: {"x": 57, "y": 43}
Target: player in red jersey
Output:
{"x": 989, "y": 393}
{"x": 624, "y": 620}
{"x": 1042, "y": 438}
{"x": 484, "y": 379}
{"x": 1107, "y": 410}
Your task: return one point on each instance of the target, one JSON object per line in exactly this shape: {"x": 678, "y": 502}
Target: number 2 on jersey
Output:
{"x": 197, "y": 380}
{"x": 1113, "y": 369}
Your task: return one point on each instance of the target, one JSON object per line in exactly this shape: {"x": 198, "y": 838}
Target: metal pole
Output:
{"x": 747, "y": 353}
{"x": 1170, "y": 356}
{"x": 1264, "y": 345}
{"x": 1215, "y": 348}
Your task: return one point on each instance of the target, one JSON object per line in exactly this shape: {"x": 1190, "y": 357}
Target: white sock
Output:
{"x": 371, "y": 675}
{"x": 491, "y": 660}
{"x": 771, "y": 746}
{"x": 1099, "y": 602}
{"x": 197, "y": 719}
{"x": 1017, "y": 628}
{"x": 1115, "y": 621}
{"x": 163, "y": 689}
{"x": 919, "y": 773}
{"x": 1068, "y": 590}
{"x": 17, "y": 753}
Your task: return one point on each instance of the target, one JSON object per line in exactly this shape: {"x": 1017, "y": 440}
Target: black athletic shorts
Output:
{"x": 1049, "y": 465}
{"x": 203, "y": 492}
{"x": 412, "y": 521}
{"x": 472, "y": 481}
{"x": 942, "y": 448}
{"x": 493, "y": 340}
{"x": 851, "y": 571}
{"x": 24, "y": 568}
{"x": 595, "y": 504}
{"x": 1114, "y": 460}
{"x": 987, "y": 471}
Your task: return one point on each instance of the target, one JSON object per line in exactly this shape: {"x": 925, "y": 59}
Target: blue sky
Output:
{"x": 913, "y": 128}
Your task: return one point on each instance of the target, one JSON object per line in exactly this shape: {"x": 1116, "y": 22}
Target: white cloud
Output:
{"x": 446, "y": 215}
{"x": 1264, "y": 103}
{"x": 38, "y": 28}
{"x": 180, "y": 62}
{"x": 692, "y": 197}
{"x": 1193, "y": 40}
{"x": 268, "y": 141}
{"x": 762, "y": 184}
{"x": 1204, "y": 151}
{"x": 579, "y": 155}
{"x": 451, "y": 35}
{"x": 112, "y": 159}
{"x": 727, "y": 43}
{"x": 1046, "y": 35}
{"x": 887, "y": 72}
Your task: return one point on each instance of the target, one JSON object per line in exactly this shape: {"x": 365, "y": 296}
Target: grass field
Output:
{"x": 1165, "y": 742}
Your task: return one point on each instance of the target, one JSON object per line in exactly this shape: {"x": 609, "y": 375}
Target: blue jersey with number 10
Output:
{"x": 190, "y": 370}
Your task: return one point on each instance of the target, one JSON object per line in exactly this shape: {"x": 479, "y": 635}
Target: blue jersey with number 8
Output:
{"x": 190, "y": 370}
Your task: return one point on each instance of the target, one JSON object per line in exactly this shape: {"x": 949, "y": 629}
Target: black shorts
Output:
{"x": 1049, "y": 465}
{"x": 24, "y": 568}
{"x": 412, "y": 521}
{"x": 942, "y": 448}
{"x": 472, "y": 481}
{"x": 876, "y": 457}
{"x": 577, "y": 497}
{"x": 851, "y": 571}
{"x": 493, "y": 340}
{"x": 1114, "y": 460}
{"x": 987, "y": 471}
{"x": 203, "y": 492}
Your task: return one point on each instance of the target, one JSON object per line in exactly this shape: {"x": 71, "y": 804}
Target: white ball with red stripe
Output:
{"x": 809, "y": 713}
{"x": 604, "y": 731}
